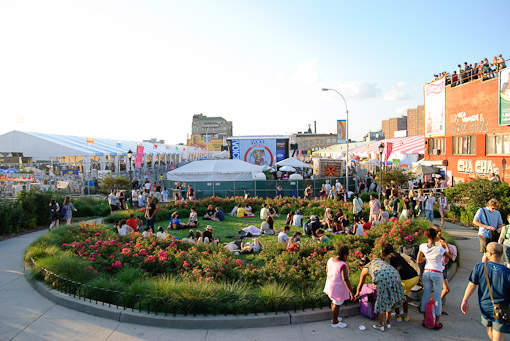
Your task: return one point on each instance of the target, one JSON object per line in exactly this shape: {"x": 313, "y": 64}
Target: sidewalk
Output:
{"x": 26, "y": 315}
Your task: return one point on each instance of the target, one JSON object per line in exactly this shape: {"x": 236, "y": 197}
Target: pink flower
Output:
{"x": 117, "y": 264}
{"x": 186, "y": 264}
{"x": 150, "y": 259}
{"x": 238, "y": 261}
{"x": 125, "y": 251}
{"x": 142, "y": 252}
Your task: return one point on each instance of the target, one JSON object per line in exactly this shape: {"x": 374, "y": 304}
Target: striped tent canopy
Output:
{"x": 403, "y": 145}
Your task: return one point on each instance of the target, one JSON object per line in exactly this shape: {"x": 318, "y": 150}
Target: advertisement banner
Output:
{"x": 341, "y": 133}
{"x": 139, "y": 156}
{"x": 504, "y": 97}
{"x": 435, "y": 108}
{"x": 259, "y": 151}
{"x": 281, "y": 149}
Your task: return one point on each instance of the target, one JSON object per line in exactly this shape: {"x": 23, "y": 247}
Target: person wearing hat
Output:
{"x": 310, "y": 227}
{"x": 208, "y": 235}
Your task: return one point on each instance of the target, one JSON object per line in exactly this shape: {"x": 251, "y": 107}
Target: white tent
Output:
{"x": 293, "y": 162}
{"x": 216, "y": 170}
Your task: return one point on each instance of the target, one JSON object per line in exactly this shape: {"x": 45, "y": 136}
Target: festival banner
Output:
{"x": 435, "y": 108}
{"x": 504, "y": 97}
{"x": 389, "y": 149}
{"x": 139, "y": 156}
{"x": 341, "y": 132}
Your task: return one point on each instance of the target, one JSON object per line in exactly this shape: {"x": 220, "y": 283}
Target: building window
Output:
{"x": 437, "y": 146}
{"x": 497, "y": 144}
{"x": 464, "y": 145}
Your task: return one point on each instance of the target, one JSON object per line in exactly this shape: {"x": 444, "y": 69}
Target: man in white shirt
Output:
{"x": 283, "y": 236}
{"x": 112, "y": 201}
{"x": 327, "y": 186}
{"x": 429, "y": 206}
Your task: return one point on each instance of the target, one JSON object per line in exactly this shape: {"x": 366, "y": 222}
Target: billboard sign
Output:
{"x": 435, "y": 108}
{"x": 341, "y": 132}
{"x": 504, "y": 97}
{"x": 259, "y": 151}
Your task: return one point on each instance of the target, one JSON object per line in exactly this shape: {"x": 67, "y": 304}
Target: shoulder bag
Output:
{"x": 501, "y": 312}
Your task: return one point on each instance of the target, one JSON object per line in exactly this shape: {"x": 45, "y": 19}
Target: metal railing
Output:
{"x": 186, "y": 306}
{"x": 472, "y": 74}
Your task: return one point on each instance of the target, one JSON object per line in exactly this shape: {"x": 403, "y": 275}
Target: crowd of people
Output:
{"x": 467, "y": 72}
{"x": 58, "y": 212}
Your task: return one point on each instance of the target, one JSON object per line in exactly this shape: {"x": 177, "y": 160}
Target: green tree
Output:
{"x": 396, "y": 176}
{"x": 109, "y": 182}
{"x": 478, "y": 192}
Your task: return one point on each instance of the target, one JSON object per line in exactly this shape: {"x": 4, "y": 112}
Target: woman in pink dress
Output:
{"x": 338, "y": 288}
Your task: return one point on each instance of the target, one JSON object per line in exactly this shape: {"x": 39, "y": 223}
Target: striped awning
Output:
{"x": 403, "y": 145}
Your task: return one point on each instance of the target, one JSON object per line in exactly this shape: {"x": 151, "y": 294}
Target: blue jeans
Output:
{"x": 432, "y": 280}
{"x": 429, "y": 214}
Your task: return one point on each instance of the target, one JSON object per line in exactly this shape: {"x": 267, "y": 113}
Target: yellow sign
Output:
{"x": 198, "y": 142}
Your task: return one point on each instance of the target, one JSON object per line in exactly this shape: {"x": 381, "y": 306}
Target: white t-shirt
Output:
{"x": 297, "y": 220}
{"x": 434, "y": 256}
{"x": 359, "y": 229}
{"x": 161, "y": 235}
{"x": 282, "y": 237}
{"x": 123, "y": 230}
{"x": 263, "y": 213}
{"x": 253, "y": 230}
{"x": 429, "y": 203}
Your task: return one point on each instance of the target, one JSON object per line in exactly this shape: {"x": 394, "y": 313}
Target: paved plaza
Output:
{"x": 26, "y": 315}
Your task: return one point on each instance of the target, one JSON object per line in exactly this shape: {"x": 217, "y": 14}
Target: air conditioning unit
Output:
{"x": 435, "y": 151}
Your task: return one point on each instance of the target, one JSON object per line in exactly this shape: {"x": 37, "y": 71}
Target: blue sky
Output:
{"x": 141, "y": 69}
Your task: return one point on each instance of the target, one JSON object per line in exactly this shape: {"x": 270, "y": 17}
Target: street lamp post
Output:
{"x": 381, "y": 150}
{"x": 130, "y": 155}
{"x": 347, "y": 143}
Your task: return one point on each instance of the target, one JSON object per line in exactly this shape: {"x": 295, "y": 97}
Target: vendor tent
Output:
{"x": 420, "y": 170}
{"x": 400, "y": 146}
{"x": 293, "y": 162}
{"x": 215, "y": 170}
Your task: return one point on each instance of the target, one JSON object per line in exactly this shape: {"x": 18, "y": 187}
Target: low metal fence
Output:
{"x": 186, "y": 306}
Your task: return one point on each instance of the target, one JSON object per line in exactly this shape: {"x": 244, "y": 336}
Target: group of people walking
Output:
{"x": 58, "y": 212}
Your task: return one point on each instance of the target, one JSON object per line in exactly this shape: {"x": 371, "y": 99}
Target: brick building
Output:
{"x": 389, "y": 127}
{"x": 416, "y": 121}
{"x": 473, "y": 143}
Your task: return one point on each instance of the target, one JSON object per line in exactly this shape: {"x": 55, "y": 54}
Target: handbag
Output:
{"x": 501, "y": 312}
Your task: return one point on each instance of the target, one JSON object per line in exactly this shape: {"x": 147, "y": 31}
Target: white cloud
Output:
{"x": 359, "y": 90}
{"x": 398, "y": 91}
{"x": 305, "y": 73}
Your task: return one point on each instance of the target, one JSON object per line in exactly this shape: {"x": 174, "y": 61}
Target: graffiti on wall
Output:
{"x": 471, "y": 124}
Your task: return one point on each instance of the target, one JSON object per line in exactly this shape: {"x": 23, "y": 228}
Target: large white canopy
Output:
{"x": 216, "y": 170}
{"x": 293, "y": 162}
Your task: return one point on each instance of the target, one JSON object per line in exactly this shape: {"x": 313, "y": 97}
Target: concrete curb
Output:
{"x": 188, "y": 322}
{"x": 194, "y": 322}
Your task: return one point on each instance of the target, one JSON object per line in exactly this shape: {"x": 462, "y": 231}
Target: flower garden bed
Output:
{"x": 168, "y": 275}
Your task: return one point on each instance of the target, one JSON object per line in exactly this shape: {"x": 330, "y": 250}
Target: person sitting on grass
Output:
{"x": 161, "y": 233}
{"x": 218, "y": 215}
{"x": 234, "y": 246}
{"x": 272, "y": 211}
{"x": 267, "y": 227}
{"x": 283, "y": 236}
{"x": 249, "y": 211}
{"x": 329, "y": 221}
{"x": 209, "y": 213}
{"x": 193, "y": 218}
{"x": 190, "y": 238}
{"x": 290, "y": 218}
{"x": 320, "y": 236}
{"x": 139, "y": 224}
{"x": 124, "y": 229}
{"x": 252, "y": 247}
{"x": 208, "y": 236}
{"x": 241, "y": 211}
{"x": 198, "y": 237}
{"x": 175, "y": 223}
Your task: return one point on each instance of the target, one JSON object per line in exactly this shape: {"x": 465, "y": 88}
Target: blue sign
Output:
{"x": 236, "y": 149}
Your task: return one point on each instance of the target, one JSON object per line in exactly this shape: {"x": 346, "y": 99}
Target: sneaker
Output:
{"x": 406, "y": 318}
{"x": 339, "y": 325}
{"x": 388, "y": 326}
{"x": 399, "y": 318}
{"x": 378, "y": 327}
